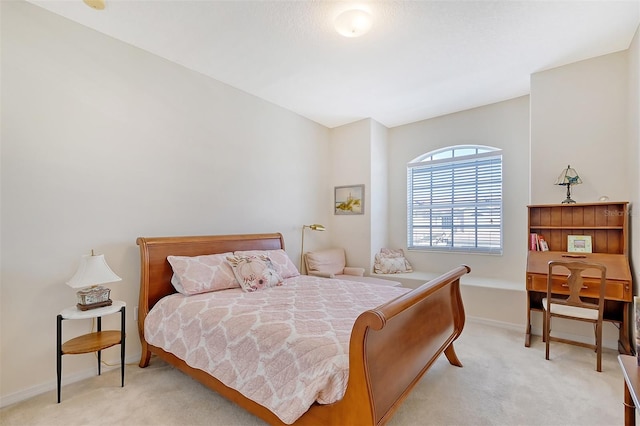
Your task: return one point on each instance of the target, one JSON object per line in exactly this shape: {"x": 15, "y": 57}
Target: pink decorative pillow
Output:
{"x": 279, "y": 258}
{"x": 254, "y": 272}
{"x": 201, "y": 274}
{"x": 391, "y": 261}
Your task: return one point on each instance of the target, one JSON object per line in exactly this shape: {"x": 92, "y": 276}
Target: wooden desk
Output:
{"x": 631, "y": 372}
{"x": 619, "y": 292}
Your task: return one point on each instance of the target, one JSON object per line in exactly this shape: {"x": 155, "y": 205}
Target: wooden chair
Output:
{"x": 574, "y": 307}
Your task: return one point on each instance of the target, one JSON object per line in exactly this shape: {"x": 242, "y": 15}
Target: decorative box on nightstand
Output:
{"x": 93, "y": 297}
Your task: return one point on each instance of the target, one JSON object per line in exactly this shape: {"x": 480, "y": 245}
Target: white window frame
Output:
{"x": 466, "y": 217}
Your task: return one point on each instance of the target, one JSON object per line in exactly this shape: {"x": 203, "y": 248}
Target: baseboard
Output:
{"x": 66, "y": 380}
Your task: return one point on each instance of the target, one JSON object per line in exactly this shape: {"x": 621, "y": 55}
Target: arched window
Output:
{"x": 454, "y": 200}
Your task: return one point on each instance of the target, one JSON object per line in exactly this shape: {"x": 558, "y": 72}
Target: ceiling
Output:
{"x": 421, "y": 59}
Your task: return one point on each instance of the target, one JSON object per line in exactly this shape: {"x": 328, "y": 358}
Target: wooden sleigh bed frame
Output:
{"x": 391, "y": 347}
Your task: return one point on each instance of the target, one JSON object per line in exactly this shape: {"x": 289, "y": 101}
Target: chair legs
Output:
{"x": 599, "y": 346}
{"x": 546, "y": 325}
{"x": 546, "y": 333}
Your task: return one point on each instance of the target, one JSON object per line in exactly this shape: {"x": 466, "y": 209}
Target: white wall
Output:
{"x": 102, "y": 143}
{"x": 503, "y": 125}
{"x": 379, "y": 191}
{"x": 351, "y": 165}
{"x": 579, "y": 116}
{"x": 359, "y": 156}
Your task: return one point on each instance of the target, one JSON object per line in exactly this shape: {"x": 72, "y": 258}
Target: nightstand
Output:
{"x": 91, "y": 342}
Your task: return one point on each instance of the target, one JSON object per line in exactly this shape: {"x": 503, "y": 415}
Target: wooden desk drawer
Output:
{"x": 615, "y": 290}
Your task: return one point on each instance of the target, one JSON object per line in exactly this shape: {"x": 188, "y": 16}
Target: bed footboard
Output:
{"x": 393, "y": 346}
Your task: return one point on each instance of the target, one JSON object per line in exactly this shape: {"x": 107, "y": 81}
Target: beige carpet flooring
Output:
{"x": 501, "y": 383}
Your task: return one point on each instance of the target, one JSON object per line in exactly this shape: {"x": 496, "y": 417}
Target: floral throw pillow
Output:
{"x": 279, "y": 259}
{"x": 201, "y": 274}
{"x": 391, "y": 261}
{"x": 254, "y": 272}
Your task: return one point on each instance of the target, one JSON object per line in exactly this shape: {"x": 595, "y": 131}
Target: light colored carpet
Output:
{"x": 501, "y": 383}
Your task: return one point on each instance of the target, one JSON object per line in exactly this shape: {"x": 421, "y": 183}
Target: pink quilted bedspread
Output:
{"x": 284, "y": 347}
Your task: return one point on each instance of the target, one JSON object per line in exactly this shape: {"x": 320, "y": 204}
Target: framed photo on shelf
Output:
{"x": 349, "y": 200}
{"x": 543, "y": 244}
{"x": 579, "y": 244}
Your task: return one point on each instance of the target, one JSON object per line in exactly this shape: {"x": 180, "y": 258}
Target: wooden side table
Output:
{"x": 91, "y": 342}
{"x": 631, "y": 372}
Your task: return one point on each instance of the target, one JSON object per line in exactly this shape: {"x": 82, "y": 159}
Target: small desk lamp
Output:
{"x": 567, "y": 178}
{"x": 314, "y": 227}
{"x": 92, "y": 271}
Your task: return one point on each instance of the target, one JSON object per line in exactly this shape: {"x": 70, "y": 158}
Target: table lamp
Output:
{"x": 92, "y": 271}
{"x": 314, "y": 227}
{"x": 567, "y": 178}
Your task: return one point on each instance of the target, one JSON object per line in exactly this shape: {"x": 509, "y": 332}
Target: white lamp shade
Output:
{"x": 93, "y": 270}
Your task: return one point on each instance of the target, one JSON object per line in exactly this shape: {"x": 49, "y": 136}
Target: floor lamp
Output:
{"x": 314, "y": 227}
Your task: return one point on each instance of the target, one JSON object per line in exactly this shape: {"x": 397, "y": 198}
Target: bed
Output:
{"x": 390, "y": 347}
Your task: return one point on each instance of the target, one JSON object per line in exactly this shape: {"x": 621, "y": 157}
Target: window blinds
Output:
{"x": 456, "y": 203}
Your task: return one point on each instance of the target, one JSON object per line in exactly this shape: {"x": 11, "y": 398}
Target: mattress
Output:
{"x": 284, "y": 347}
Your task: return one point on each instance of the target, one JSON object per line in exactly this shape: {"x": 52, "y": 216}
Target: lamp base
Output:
{"x": 94, "y": 305}
{"x": 568, "y": 200}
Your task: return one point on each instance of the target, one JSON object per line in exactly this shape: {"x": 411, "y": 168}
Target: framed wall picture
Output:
{"x": 579, "y": 244}
{"x": 349, "y": 200}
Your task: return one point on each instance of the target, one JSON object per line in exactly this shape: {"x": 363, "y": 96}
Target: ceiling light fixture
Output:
{"x": 353, "y": 22}
{"x": 95, "y": 4}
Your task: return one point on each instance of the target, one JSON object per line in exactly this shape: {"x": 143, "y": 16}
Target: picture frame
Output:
{"x": 348, "y": 200}
{"x": 579, "y": 244}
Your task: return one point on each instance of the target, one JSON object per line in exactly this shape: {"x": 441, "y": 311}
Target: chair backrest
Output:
{"x": 575, "y": 284}
{"x": 331, "y": 261}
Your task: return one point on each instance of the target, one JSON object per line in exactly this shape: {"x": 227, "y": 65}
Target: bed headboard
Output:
{"x": 156, "y": 272}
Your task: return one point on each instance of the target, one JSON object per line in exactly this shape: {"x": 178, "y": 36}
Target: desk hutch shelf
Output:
{"x": 607, "y": 225}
